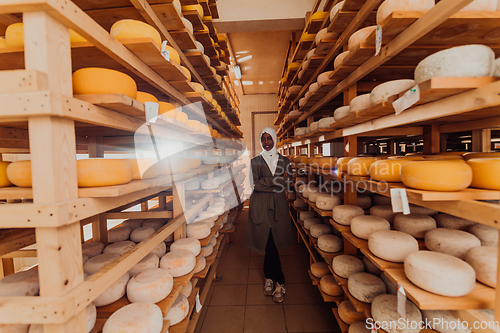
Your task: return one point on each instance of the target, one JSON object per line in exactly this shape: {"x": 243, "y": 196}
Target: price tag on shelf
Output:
{"x": 411, "y": 97}
{"x": 164, "y": 52}
{"x": 378, "y": 39}
{"x": 401, "y": 301}
{"x": 198, "y": 304}
{"x": 152, "y": 109}
{"x": 399, "y": 201}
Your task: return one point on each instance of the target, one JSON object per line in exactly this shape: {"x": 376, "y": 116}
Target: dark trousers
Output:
{"x": 272, "y": 263}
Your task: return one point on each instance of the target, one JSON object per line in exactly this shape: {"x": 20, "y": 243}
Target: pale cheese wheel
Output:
{"x": 339, "y": 60}
{"x": 23, "y": 283}
{"x": 200, "y": 265}
{"x": 360, "y": 102}
{"x": 389, "y": 6}
{"x": 132, "y": 224}
{"x": 182, "y": 117}
{"x": 324, "y": 34}
{"x": 119, "y": 247}
{"x": 327, "y": 202}
{"x": 91, "y": 316}
{"x": 138, "y": 317}
{"x": 194, "y": 163}
{"x": 440, "y": 273}
{"x": 348, "y": 313}
{"x": 324, "y": 123}
{"x": 460, "y": 61}
{"x": 365, "y": 287}
{"x": 96, "y": 172}
{"x": 329, "y": 286}
{"x": 450, "y": 241}
{"x": 414, "y": 224}
{"x": 385, "y": 310}
{"x": 295, "y": 89}
{"x": 391, "y": 287}
{"x": 330, "y": 243}
{"x": 213, "y": 241}
{"x": 190, "y": 244}
{"x": 313, "y": 87}
{"x": 116, "y": 291}
{"x": 343, "y": 214}
{"x": 207, "y": 250}
{"x": 92, "y": 249}
{"x": 360, "y": 36}
{"x": 198, "y": 230}
{"x": 346, "y": 265}
{"x": 341, "y": 112}
{"x": 194, "y": 124}
{"x": 307, "y": 214}
{"x": 179, "y": 262}
{"x": 444, "y": 322}
{"x": 480, "y": 6}
{"x": 392, "y": 245}
{"x": 303, "y": 102}
{"x": 187, "y": 289}
{"x": 299, "y": 203}
{"x": 309, "y": 222}
{"x": 319, "y": 230}
{"x": 187, "y": 24}
{"x": 358, "y": 327}
{"x": 119, "y": 234}
{"x": 384, "y": 211}
{"x": 151, "y": 285}
{"x": 94, "y": 80}
{"x": 382, "y": 92}
{"x": 364, "y": 201}
{"x": 85, "y": 258}
{"x": 323, "y": 77}
{"x": 151, "y": 260}
{"x": 125, "y": 29}
{"x": 139, "y": 234}
{"x": 414, "y": 209}
{"x": 178, "y": 311}
{"x": 320, "y": 269}
{"x": 335, "y": 9}
{"x": 160, "y": 250}
{"x": 370, "y": 267}
{"x": 299, "y": 131}
{"x": 310, "y": 54}
{"x": 94, "y": 264}
{"x": 485, "y": 173}
{"x": 363, "y": 226}
{"x": 484, "y": 260}
{"x": 154, "y": 223}
{"x": 487, "y": 235}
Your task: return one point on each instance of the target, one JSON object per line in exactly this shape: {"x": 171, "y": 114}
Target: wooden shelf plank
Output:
{"x": 197, "y": 59}
{"x": 359, "y": 306}
{"x": 184, "y": 39}
{"x": 340, "y": 280}
{"x": 183, "y": 325}
{"x": 183, "y": 86}
{"x": 213, "y": 232}
{"x": 328, "y": 298}
{"x": 194, "y": 18}
{"x": 329, "y": 255}
{"x": 358, "y": 242}
{"x": 116, "y": 102}
{"x": 169, "y": 16}
{"x": 199, "y": 97}
{"x": 380, "y": 263}
{"x": 344, "y": 328}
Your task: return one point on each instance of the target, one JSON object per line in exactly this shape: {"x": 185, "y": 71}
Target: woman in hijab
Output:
{"x": 269, "y": 228}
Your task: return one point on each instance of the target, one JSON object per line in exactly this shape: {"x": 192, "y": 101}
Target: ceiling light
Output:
{"x": 247, "y": 83}
{"x": 236, "y": 83}
{"x": 248, "y": 57}
{"x": 261, "y": 83}
{"x": 237, "y": 71}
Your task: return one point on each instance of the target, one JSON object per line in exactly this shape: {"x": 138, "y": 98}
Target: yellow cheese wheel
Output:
{"x": 485, "y": 173}
{"x": 218, "y": 108}
{"x": 144, "y": 97}
{"x": 307, "y": 37}
{"x": 208, "y": 95}
{"x": 407, "y": 158}
{"x": 186, "y": 72}
{"x": 205, "y": 28}
{"x": 3, "y": 43}
{"x": 4, "y": 180}
{"x": 197, "y": 8}
{"x": 468, "y": 156}
{"x": 182, "y": 117}
{"x": 175, "y": 165}
{"x": 14, "y": 35}
{"x": 342, "y": 163}
{"x": 19, "y": 173}
{"x": 348, "y": 313}
{"x": 213, "y": 70}
{"x": 330, "y": 286}
{"x": 222, "y": 38}
{"x": 166, "y": 109}
{"x": 144, "y": 168}
{"x": 448, "y": 175}
{"x": 360, "y": 166}
{"x": 198, "y": 87}
{"x": 93, "y": 80}
{"x": 75, "y": 37}
{"x": 294, "y": 65}
{"x": 388, "y": 170}
{"x": 174, "y": 55}
{"x": 207, "y": 18}
{"x": 319, "y": 15}
{"x": 103, "y": 172}
{"x": 194, "y": 124}
{"x": 215, "y": 104}
{"x": 124, "y": 29}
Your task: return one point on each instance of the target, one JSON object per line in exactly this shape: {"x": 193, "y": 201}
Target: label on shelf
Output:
{"x": 152, "y": 109}
{"x": 399, "y": 201}
{"x": 198, "y": 304}
{"x": 378, "y": 39}
{"x": 411, "y": 97}
{"x": 164, "y": 52}
{"x": 401, "y": 301}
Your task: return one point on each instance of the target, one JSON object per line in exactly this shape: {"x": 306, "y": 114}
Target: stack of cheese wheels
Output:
{"x": 319, "y": 230}
{"x": 103, "y": 172}
{"x": 124, "y": 29}
{"x": 179, "y": 262}
{"x": 151, "y": 260}
{"x": 365, "y": 287}
{"x": 348, "y": 313}
{"x": 94, "y": 264}
{"x": 140, "y": 234}
{"x": 178, "y": 311}
{"x": 384, "y": 211}
{"x": 452, "y": 222}
{"x": 24, "y": 283}
{"x": 119, "y": 247}
{"x": 346, "y": 265}
{"x": 119, "y": 234}
{"x": 370, "y": 267}
{"x": 484, "y": 260}
{"x": 389, "y": 6}
{"x": 382, "y": 92}
{"x": 359, "y": 37}
{"x": 487, "y": 235}
{"x": 92, "y": 249}
{"x": 93, "y": 80}
{"x": 198, "y": 230}
{"x": 392, "y": 245}
{"x": 310, "y": 221}
{"x": 320, "y": 269}
{"x": 440, "y": 273}
{"x": 385, "y": 310}
{"x": 136, "y": 317}
{"x": 330, "y": 243}
{"x": 449, "y": 175}
{"x": 452, "y": 242}
{"x": 343, "y": 214}
{"x": 151, "y": 285}
{"x": 327, "y": 201}
{"x": 329, "y": 286}
{"x": 113, "y": 293}
{"x": 443, "y": 321}
{"x": 190, "y": 244}
{"x": 343, "y": 162}
{"x": 485, "y": 173}
{"x": 363, "y": 226}
{"x": 414, "y": 224}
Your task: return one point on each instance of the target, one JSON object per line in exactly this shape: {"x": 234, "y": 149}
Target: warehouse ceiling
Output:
{"x": 259, "y": 33}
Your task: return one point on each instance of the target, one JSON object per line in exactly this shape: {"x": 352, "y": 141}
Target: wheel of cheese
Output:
{"x": 113, "y": 293}
{"x": 119, "y": 247}
{"x": 125, "y": 29}
{"x": 19, "y": 173}
{"x": 119, "y": 234}
{"x": 307, "y": 36}
{"x": 323, "y": 77}
{"x": 327, "y": 201}
{"x": 335, "y": 9}
{"x": 154, "y": 223}
{"x": 94, "y": 264}
{"x": 92, "y": 249}
{"x": 190, "y": 244}
{"x": 320, "y": 269}
{"x": 310, "y": 54}
{"x": 186, "y": 72}
{"x": 460, "y": 61}
{"x": 182, "y": 117}
{"x": 364, "y": 201}
{"x": 452, "y": 222}
{"x": 327, "y": 162}
{"x": 363, "y": 226}
{"x": 151, "y": 260}
{"x": 308, "y": 190}
{"x": 207, "y": 250}
{"x": 384, "y": 211}
{"x": 329, "y": 286}
{"x": 487, "y": 235}
{"x": 341, "y": 112}
{"x": 198, "y": 230}
{"x": 389, "y": 6}
{"x": 387, "y": 170}
{"x": 85, "y": 258}
{"x": 91, "y": 315}
{"x": 167, "y": 109}
{"x": 24, "y": 283}
{"x": 370, "y": 267}
{"x": 200, "y": 265}
{"x": 358, "y": 327}
{"x": 414, "y": 224}
{"x": 103, "y": 172}
{"x": 342, "y": 163}
{"x": 444, "y": 321}
{"x": 348, "y": 313}
{"x": 138, "y": 317}
{"x": 310, "y": 222}
{"x": 313, "y": 87}
{"x": 179, "y": 262}
{"x": 211, "y": 220}
{"x": 382, "y": 92}
{"x": 199, "y": 10}
{"x": 392, "y": 245}
{"x": 3, "y": 44}
{"x": 14, "y": 35}
{"x": 299, "y": 203}
{"x": 330, "y": 243}
{"x": 343, "y": 214}
{"x": 360, "y": 36}
{"x": 324, "y": 34}
{"x": 385, "y": 310}
{"x": 324, "y": 123}
{"x": 178, "y": 311}
{"x": 307, "y": 214}
{"x": 144, "y": 97}
{"x": 365, "y": 287}
{"x": 346, "y": 265}
{"x": 144, "y": 168}
{"x": 440, "y": 273}
{"x": 4, "y": 180}
{"x": 93, "y": 80}
{"x": 484, "y": 260}
{"x": 160, "y": 250}
{"x": 291, "y": 196}
{"x": 299, "y": 131}
{"x": 194, "y": 163}
{"x": 196, "y": 125}
{"x": 360, "y": 102}
{"x": 450, "y": 241}
{"x": 485, "y": 173}
{"x": 151, "y": 285}
{"x": 339, "y": 60}
{"x": 187, "y": 24}
{"x": 318, "y": 230}
{"x": 481, "y": 6}
{"x": 187, "y": 289}
{"x": 213, "y": 241}
{"x": 139, "y": 234}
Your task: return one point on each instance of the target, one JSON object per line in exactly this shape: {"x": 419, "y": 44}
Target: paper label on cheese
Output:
{"x": 401, "y": 301}
{"x": 164, "y": 52}
{"x": 198, "y": 303}
{"x": 152, "y": 109}
{"x": 378, "y": 39}
{"x": 399, "y": 201}
{"x": 410, "y": 98}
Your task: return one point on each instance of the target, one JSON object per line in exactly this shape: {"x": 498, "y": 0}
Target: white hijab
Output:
{"x": 271, "y": 157}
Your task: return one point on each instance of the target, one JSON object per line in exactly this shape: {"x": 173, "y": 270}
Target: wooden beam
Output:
{"x": 350, "y": 93}
{"x": 95, "y": 146}
{"x": 481, "y": 140}
{"x": 432, "y": 143}
{"x": 21, "y": 254}
{"x": 141, "y": 215}
{"x": 470, "y": 125}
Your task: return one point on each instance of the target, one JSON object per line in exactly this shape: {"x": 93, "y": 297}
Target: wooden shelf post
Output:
{"x": 350, "y": 189}
{"x": 481, "y": 140}
{"x": 432, "y": 142}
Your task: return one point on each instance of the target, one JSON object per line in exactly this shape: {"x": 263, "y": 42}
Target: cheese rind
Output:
{"x": 19, "y": 173}
{"x": 179, "y": 262}
{"x": 95, "y": 264}
{"x": 92, "y": 249}
{"x": 452, "y": 222}
{"x": 330, "y": 243}
{"x": 113, "y": 293}
{"x": 348, "y": 313}
{"x": 4, "y": 180}
{"x": 346, "y": 265}
{"x": 484, "y": 260}
{"x": 389, "y": 6}
{"x": 319, "y": 230}
{"x": 360, "y": 36}
{"x": 198, "y": 230}
{"x": 359, "y": 103}
{"x": 320, "y": 269}
{"x": 190, "y": 243}
{"x": 140, "y": 234}
{"x": 124, "y": 29}
{"x": 329, "y": 286}
{"x": 392, "y": 245}
{"x": 151, "y": 285}
{"x": 178, "y": 311}
{"x": 485, "y": 173}
{"x": 340, "y": 59}
{"x": 138, "y": 317}
{"x": 450, "y": 241}
{"x": 385, "y": 310}
{"x": 119, "y": 247}
{"x": 93, "y": 80}
{"x": 365, "y": 287}
{"x": 486, "y": 234}
{"x": 95, "y": 172}
{"x": 23, "y": 283}
{"x": 414, "y": 224}
{"x": 382, "y": 92}
{"x": 343, "y": 214}
{"x": 363, "y": 226}
{"x": 151, "y": 260}
{"x": 309, "y": 222}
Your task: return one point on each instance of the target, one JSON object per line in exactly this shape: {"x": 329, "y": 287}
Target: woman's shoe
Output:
{"x": 279, "y": 293}
{"x": 268, "y": 287}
